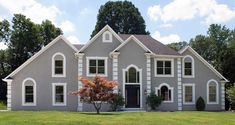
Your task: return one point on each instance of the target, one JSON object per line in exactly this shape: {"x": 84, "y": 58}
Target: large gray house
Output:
{"x": 139, "y": 63}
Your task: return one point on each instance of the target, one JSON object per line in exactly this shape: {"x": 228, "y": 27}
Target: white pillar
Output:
{"x": 148, "y": 71}
{"x": 80, "y": 70}
{"x": 115, "y": 69}
{"x": 222, "y": 95}
{"x": 179, "y": 85}
{"x": 9, "y": 86}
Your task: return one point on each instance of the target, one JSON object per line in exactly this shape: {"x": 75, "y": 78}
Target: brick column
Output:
{"x": 179, "y": 85}
{"x": 148, "y": 71}
{"x": 115, "y": 69}
{"x": 80, "y": 70}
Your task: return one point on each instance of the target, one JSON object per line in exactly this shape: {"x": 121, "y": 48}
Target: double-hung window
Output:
{"x": 29, "y": 92}
{"x": 188, "y": 93}
{"x": 164, "y": 67}
{"x": 59, "y": 94}
{"x": 97, "y": 66}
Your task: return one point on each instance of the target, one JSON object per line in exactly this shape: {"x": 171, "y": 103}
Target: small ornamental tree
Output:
{"x": 231, "y": 96}
{"x": 200, "y": 104}
{"x": 96, "y": 92}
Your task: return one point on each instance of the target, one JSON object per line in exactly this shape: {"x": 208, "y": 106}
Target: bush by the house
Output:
{"x": 153, "y": 101}
{"x": 200, "y": 104}
{"x": 117, "y": 102}
{"x": 231, "y": 96}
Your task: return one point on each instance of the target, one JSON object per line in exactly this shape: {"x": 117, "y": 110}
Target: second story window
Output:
{"x": 164, "y": 68}
{"x": 188, "y": 67}
{"x": 58, "y": 65}
{"x": 96, "y": 66}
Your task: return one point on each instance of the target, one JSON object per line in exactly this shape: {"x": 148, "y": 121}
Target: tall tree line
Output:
{"x": 23, "y": 38}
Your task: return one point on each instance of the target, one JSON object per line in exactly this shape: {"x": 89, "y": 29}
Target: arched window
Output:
{"x": 188, "y": 67}
{"x": 107, "y": 36}
{"x": 212, "y": 92}
{"x": 132, "y": 75}
{"x": 58, "y": 65}
{"x": 165, "y": 91}
{"x": 29, "y": 92}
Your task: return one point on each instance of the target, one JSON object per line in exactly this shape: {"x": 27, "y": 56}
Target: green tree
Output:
{"x": 4, "y": 31}
{"x": 231, "y": 96}
{"x": 205, "y": 47}
{"x": 49, "y": 32}
{"x": 25, "y": 40}
{"x": 177, "y": 46}
{"x": 122, "y": 16}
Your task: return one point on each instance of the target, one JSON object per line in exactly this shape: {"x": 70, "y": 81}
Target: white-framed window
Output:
{"x": 58, "y": 65}
{"x": 188, "y": 93}
{"x": 59, "y": 94}
{"x": 165, "y": 91}
{"x": 164, "y": 67}
{"x": 107, "y": 37}
{"x": 188, "y": 67}
{"x": 212, "y": 92}
{"x": 132, "y": 75}
{"x": 97, "y": 66}
{"x": 29, "y": 92}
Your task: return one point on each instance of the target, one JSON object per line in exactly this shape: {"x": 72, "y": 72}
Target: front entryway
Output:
{"x": 132, "y": 93}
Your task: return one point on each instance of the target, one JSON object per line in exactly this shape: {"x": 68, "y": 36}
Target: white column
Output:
{"x": 9, "y": 84}
{"x": 80, "y": 69}
{"x": 115, "y": 69}
{"x": 222, "y": 96}
{"x": 148, "y": 71}
{"x": 179, "y": 86}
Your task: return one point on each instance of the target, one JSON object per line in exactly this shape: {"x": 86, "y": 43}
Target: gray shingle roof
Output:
{"x": 152, "y": 44}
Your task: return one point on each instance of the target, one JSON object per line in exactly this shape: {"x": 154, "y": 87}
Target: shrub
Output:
{"x": 200, "y": 104}
{"x": 231, "y": 96}
{"x": 153, "y": 101}
{"x": 117, "y": 102}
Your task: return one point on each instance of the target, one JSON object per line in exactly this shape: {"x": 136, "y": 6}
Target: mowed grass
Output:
{"x": 2, "y": 106}
{"x": 119, "y": 118}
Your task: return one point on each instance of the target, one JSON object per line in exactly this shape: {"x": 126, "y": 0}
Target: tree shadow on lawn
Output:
{"x": 101, "y": 113}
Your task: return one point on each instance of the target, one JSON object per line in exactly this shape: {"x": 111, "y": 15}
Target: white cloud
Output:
{"x": 166, "y": 39}
{"x": 2, "y": 46}
{"x": 176, "y": 10}
{"x": 32, "y": 9}
{"x": 67, "y": 26}
{"x": 154, "y": 12}
{"x": 166, "y": 25}
{"x": 73, "y": 39}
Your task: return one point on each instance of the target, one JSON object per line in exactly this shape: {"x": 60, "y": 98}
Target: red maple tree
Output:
{"x": 96, "y": 92}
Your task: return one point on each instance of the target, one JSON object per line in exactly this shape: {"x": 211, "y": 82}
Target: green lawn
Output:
{"x": 2, "y": 106}
{"x": 120, "y": 118}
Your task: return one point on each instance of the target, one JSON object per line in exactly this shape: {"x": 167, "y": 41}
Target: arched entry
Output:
{"x": 132, "y": 79}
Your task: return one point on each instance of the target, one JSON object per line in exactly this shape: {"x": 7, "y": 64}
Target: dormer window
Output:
{"x": 107, "y": 37}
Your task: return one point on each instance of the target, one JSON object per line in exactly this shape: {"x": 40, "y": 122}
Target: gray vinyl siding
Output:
{"x": 132, "y": 53}
{"x": 98, "y": 48}
{"x": 202, "y": 75}
{"x": 41, "y": 71}
{"x": 171, "y": 81}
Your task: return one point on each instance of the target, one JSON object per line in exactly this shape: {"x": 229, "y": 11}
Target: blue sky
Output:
{"x": 167, "y": 20}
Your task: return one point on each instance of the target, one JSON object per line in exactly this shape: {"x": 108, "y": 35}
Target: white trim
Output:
{"x": 88, "y": 58}
{"x": 204, "y": 61}
{"x": 9, "y": 87}
{"x": 132, "y": 37}
{"x": 40, "y": 52}
{"x": 104, "y": 38}
{"x": 80, "y": 73}
{"x": 124, "y": 82}
{"x": 148, "y": 72}
{"x": 53, "y": 65}
{"x": 64, "y": 92}
{"x": 193, "y": 93}
{"x": 217, "y": 92}
{"x": 115, "y": 69}
{"x": 179, "y": 84}
{"x": 193, "y": 65}
{"x": 163, "y": 59}
{"x": 222, "y": 96}
{"x": 169, "y": 88}
{"x": 34, "y": 92}
{"x": 107, "y": 27}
